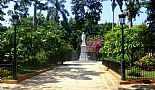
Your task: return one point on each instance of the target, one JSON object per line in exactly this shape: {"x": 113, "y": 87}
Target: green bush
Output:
{"x": 41, "y": 58}
{"x": 67, "y": 52}
{"x": 4, "y": 72}
{"x": 134, "y": 71}
{"x": 51, "y": 57}
{"x": 113, "y": 44}
{"x": 147, "y": 60}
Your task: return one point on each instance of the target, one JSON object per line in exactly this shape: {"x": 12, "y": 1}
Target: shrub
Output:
{"x": 147, "y": 60}
{"x": 67, "y": 51}
{"x": 4, "y": 72}
{"x": 51, "y": 56}
{"x": 41, "y": 58}
{"x": 134, "y": 72}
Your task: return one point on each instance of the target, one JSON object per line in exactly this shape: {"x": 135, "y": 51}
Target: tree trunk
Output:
{"x": 35, "y": 16}
{"x": 132, "y": 56}
{"x": 131, "y": 23}
{"x": 56, "y": 16}
{"x": 113, "y": 20}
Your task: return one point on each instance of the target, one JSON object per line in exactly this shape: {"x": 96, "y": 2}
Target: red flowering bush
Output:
{"x": 94, "y": 46}
{"x": 98, "y": 45}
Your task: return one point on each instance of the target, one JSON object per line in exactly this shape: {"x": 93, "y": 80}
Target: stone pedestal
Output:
{"x": 83, "y": 54}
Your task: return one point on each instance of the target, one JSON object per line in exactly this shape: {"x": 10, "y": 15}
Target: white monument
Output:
{"x": 83, "y": 54}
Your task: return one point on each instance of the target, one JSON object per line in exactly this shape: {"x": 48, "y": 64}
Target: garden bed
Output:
{"x": 139, "y": 74}
{"x": 25, "y": 76}
{"x": 134, "y": 79}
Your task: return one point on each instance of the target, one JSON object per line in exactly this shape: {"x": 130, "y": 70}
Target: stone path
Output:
{"x": 73, "y": 75}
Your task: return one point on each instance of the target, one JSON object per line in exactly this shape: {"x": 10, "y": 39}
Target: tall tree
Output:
{"x": 132, "y": 9}
{"x": 2, "y": 6}
{"x": 21, "y": 8}
{"x": 92, "y": 15}
{"x": 38, "y": 6}
{"x": 57, "y": 8}
{"x": 120, "y": 3}
{"x": 150, "y": 32}
{"x": 87, "y": 13}
{"x": 113, "y": 10}
{"x": 35, "y": 16}
{"x": 79, "y": 11}
{"x": 75, "y": 35}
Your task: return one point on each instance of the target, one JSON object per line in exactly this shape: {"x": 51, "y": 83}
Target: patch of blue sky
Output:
{"x": 106, "y": 15}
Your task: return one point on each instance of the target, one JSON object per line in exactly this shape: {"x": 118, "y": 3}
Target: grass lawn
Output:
{"x": 139, "y": 74}
{"x": 24, "y": 70}
{"x": 7, "y": 74}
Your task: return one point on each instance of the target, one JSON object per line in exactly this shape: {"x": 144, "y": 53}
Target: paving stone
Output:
{"x": 73, "y": 75}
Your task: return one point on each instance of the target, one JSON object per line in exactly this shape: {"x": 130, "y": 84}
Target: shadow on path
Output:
{"x": 76, "y": 71}
{"x": 72, "y": 71}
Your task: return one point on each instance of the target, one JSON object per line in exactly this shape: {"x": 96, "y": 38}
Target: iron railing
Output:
{"x": 113, "y": 65}
{"x": 132, "y": 72}
{"x": 137, "y": 71}
{"x": 6, "y": 69}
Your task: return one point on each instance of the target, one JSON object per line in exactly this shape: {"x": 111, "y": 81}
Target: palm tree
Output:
{"x": 132, "y": 9}
{"x": 3, "y": 4}
{"x": 56, "y": 8}
{"x": 113, "y": 8}
{"x": 120, "y": 3}
{"x": 35, "y": 16}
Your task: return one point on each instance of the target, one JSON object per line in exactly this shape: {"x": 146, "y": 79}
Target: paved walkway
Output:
{"x": 73, "y": 75}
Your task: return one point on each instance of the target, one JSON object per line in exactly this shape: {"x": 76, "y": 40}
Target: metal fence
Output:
{"x": 132, "y": 72}
{"x": 136, "y": 71}
{"x": 113, "y": 65}
{"x": 6, "y": 66}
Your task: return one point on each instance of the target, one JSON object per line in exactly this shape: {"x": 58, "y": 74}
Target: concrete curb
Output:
{"x": 118, "y": 77}
{"x": 141, "y": 81}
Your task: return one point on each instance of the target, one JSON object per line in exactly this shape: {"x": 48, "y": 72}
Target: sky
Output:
{"x": 106, "y": 15}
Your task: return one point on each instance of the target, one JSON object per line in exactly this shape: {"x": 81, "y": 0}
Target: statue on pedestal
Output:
{"x": 83, "y": 37}
{"x": 83, "y": 54}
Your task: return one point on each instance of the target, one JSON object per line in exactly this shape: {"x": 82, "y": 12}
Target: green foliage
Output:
{"x": 74, "y": 35}
{"x": 120, "y": 3}
{"x": 150, "y": 32}
{"x": 3, "y": 5}
{"x": 57, "y": 8}
{"x": 67, "y": 51}
{"x": 132, "y": 9}
{"x": 41, "y": 56}
{"x": 37, "y": 47}
{"x": 147, "y": 60}
{"x": 112, "y": 43}
{"x": 105, "y": 27}
{"x": 4, "y": 72}
{"x": 21, "y": 8}
{"x": 133, "y": 43}
{"x": 134, "y": 71}
{"x": 87, "y": 14}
